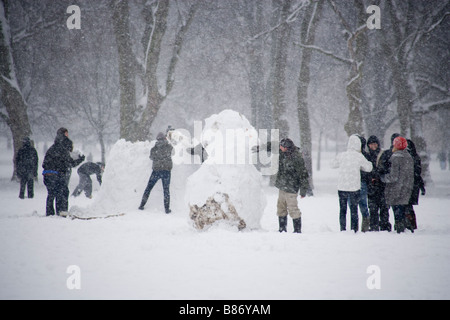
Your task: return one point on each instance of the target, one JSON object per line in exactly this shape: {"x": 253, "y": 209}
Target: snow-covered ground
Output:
{"x": 150, "y": 255}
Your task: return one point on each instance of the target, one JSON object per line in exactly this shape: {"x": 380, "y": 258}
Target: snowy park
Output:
{"x": 152, "y": 255}
{"x": 215, "y": 98}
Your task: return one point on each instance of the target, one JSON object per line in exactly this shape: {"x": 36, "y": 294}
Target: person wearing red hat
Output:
{"x": 399, "y": 182}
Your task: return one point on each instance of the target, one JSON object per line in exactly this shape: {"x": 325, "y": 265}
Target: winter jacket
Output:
{"x": 400, "y": 180}
{"x": 350, "y": 164}
{"x": 375, "y": 186}
{"x": 292, "y": 175}
{"x": 27, "y": 161}
{"x": 57, "y": 158}
{"x": 161, "y": 154}
{"x": 383, "y": 161}
{"x": 89, "y": 168}
{"x": 419, "y": 184}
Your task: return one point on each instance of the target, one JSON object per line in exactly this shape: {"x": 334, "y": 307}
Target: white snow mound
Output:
{"x": 241, "y": 182}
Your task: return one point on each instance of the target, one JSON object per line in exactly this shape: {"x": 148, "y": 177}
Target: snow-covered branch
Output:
{"x": 325, "y": 52}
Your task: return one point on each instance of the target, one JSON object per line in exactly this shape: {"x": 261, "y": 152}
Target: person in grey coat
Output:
{"x": 161, "y": 154}
{"x": 399, "y": 182}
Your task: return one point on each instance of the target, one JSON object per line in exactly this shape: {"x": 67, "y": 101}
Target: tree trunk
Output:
{"x": 308, "y": 30}
{"x": 127, "y": 71}
{"x": 357, "y": 47}
{"x": 136, "y": 121}
{"x": 254, "y": 17}
{"x": 281, "y": 38}
{"x": 11, "y": 95}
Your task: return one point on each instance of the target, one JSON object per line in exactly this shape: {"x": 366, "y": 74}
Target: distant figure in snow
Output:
{"x": 292, "y": 176}
{"x": 84, "y": 172}
{"x": 399, "y": 182}
{"x": 57, "y": 165}
{"x": 350, "y": 164}
{"x": 442, "y": 157}
{"x": 27, "y": 167}
{"x": 161, "y": 154}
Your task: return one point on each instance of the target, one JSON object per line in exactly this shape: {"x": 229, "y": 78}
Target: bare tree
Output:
{"x": 136, "y": 120}
{"x": 307, "y": 35}
{"x": 12, "y": 99}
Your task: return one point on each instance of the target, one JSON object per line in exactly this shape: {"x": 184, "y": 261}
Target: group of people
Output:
{"x": 57, "y": 167}
{"x": 375, "y": 180}
{"x": 372, "y": 180}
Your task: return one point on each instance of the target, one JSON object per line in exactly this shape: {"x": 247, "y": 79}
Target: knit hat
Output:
{"x": 160, "y": 136}
{"x": 287, "y": 143}
{"x": 373, "y": 139}
{"x": 400, "y": 143}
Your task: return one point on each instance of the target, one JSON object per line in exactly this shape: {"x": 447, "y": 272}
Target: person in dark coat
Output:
{"x": 57, "y": 164}
{"x": 292, "y": 177}
{"x": 84, "y": 172}
{"x": 27, "y": 167}
{"x": 384, "y": 167}
{"x": 419, "y": 185}
{"x": 375, "y": 189}
{"x": 399, "y": 182}
{"x": 161, "y": 154}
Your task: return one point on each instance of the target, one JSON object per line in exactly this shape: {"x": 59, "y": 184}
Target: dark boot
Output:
{"x": 143, "y": 202}
{"x": 365, "y": 224}
{"x": 297, "y": 225}
{"x": 283, "y": 224}
{"x": 400, "y": 225}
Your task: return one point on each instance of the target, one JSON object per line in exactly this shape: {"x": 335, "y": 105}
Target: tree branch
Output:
{"x": 327, "y": 53}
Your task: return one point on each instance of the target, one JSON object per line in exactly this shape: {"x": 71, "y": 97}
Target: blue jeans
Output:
{"x": 363, "y": 200}
{"x": 352, "y": 198}
{"x": 164, "y": 175}
{"x": 58, "y": 193}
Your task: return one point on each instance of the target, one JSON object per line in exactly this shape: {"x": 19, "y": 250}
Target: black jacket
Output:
{"x": 161, "y": 154}
{"x": 292, "y": 175}
{"x": 58, "y": 159}
{"x": 419, "y": 184}
{"x": 27, "y": 161}
{"x": 89, "y": 168}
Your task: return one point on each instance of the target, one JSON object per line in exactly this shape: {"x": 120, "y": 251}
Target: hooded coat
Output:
{"x": 350, "y": 164}
{"x": 400, "y": 180}
{"x": 27, "y": 161}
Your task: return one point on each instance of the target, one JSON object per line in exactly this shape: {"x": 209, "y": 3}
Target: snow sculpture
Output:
{"x": 227, "y": 187}
{"x": 126, "y": 175}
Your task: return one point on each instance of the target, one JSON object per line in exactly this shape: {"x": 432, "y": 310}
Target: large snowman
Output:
{"x": 227, "y": 188}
